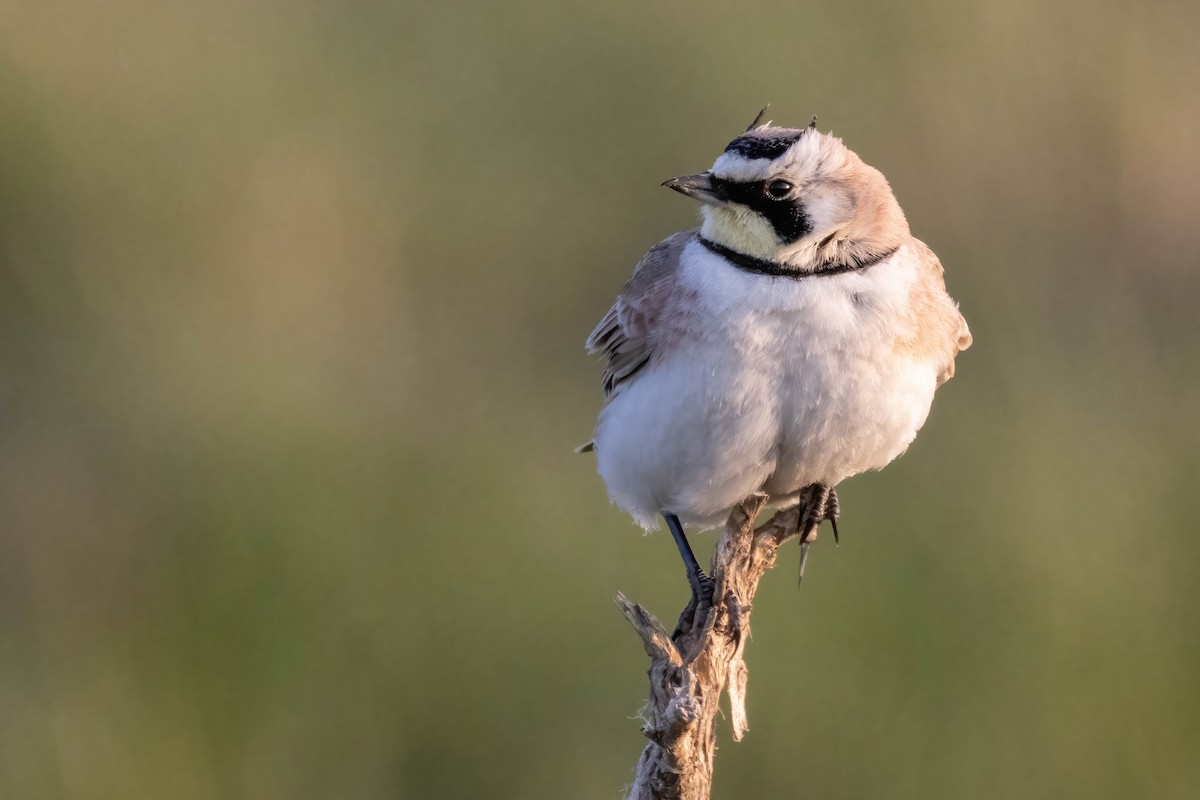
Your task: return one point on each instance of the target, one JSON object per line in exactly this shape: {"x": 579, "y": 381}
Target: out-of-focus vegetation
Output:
{"x": 292, "y": 299}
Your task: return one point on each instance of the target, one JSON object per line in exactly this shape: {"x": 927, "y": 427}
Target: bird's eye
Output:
{"x": 779, "y": 189}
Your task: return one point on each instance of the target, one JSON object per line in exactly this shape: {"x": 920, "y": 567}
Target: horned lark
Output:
{"x": 794, "y": 340}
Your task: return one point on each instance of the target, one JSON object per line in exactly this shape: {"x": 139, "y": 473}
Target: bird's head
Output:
{"x": 794, "y": 196}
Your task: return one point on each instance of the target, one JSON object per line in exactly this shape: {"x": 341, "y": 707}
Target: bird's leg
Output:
{"x": 700, "y": 583}
{"x": 702, "y": 586}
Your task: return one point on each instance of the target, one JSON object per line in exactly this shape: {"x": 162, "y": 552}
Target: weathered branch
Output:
{"x": 688, "y": 674}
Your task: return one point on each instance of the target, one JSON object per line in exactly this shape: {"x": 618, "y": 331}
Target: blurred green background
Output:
{"x": 292, "y": 303}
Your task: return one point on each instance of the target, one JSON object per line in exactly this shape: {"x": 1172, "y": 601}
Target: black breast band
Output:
{"x": 760, "y": 266}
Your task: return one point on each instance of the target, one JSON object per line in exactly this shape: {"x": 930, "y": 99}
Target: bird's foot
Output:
{"x": 818, "y": 504}
{"x": 697, "y": 609}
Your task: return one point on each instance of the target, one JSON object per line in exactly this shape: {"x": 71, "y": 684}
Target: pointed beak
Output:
{"x": 698, "y": 187}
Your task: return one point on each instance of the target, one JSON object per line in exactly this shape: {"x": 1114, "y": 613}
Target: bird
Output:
{"x": 794, "y": 340}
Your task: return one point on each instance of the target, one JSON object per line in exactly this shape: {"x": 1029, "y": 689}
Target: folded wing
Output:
{"x": 943, "y": 330}
{"x": 629, "y": 331}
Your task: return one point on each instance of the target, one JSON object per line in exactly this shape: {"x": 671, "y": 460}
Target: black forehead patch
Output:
{"x": 765, "y": 142}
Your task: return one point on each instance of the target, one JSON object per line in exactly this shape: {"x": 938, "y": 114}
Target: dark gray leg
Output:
{"x": 700, "y": 583}
{"x": 702, "y": 586}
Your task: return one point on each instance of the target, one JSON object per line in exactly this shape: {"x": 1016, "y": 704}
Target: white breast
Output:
{"x": 776, "y": 383}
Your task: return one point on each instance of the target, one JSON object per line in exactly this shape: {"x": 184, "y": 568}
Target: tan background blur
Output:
{"x": 292, "y": 303}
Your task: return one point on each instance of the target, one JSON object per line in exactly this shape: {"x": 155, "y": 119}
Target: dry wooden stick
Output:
{"x": 688, "y": 674}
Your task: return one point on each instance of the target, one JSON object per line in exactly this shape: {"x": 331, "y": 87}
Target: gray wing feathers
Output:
{"x": 627, "y": 334}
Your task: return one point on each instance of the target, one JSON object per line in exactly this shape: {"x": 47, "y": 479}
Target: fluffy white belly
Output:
{"x": 778, "y": 384}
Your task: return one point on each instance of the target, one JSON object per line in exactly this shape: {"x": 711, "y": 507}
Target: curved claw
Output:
{"x": 833, "y": 510}
{"x": 803, "y": 560}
